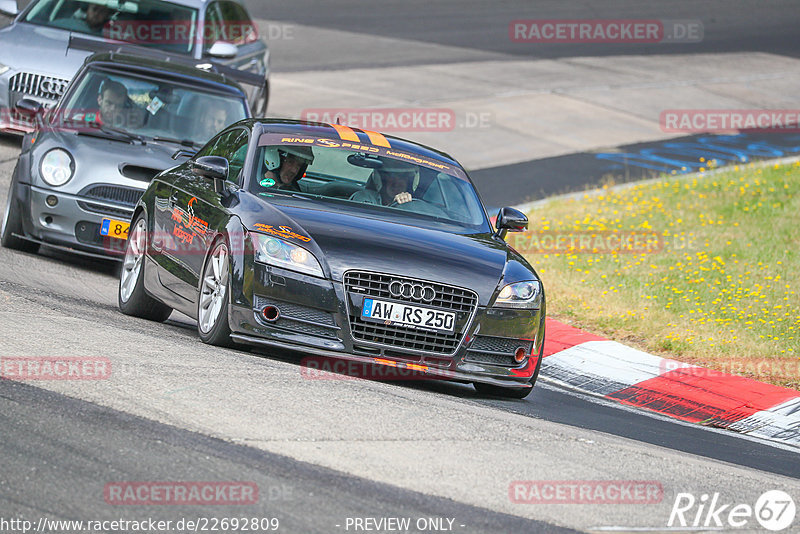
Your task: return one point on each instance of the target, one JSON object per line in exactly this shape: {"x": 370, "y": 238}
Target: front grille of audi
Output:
{"x": 37, "y": 85}
{"x": 450, "y": 298}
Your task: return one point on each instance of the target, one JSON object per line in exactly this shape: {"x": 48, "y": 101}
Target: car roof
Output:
{"x": 163, "y": 69}
{"x": 321, "y": 129}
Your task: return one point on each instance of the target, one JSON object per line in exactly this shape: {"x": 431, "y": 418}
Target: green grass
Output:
{"x": 721, "y": 287}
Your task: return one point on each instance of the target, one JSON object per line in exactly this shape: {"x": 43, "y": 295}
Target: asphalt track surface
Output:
{"x": 482, "y": 26}
{"x": 62, "y": 442}
{"x": 60, "y": 448}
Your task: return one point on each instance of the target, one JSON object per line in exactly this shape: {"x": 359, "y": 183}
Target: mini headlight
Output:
{"x": 273, "y": 251}
{"x": 527, "y": 294}
{"x": 57, "y": 167}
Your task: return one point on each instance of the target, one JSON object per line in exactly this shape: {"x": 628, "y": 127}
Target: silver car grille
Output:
{"x": 115, "y": 201}
{"x": 37, "y": 85}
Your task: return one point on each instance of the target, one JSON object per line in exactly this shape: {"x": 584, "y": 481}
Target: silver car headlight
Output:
{"x": 4, "y": 68}
{"x": 527, "y": 294}
{"x": 57, "y": 167}
{"x": 273, "y": 251}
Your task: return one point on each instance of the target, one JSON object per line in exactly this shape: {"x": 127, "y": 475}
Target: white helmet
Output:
{"x": 395, "y": 167}
{"x": 272, "y": 159}
{"x": 303, "y": 153}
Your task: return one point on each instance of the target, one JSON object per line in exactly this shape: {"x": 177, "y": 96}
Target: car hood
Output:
{"x": 31, "y": 48}
{"x": 106, "y": 161}
{"x": 349, "y": 240}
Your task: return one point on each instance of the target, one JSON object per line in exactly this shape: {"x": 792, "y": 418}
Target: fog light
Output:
{"x": 51, "y": 200}
{"x": 270, "y": 313}
{"x": 519, "y": 355}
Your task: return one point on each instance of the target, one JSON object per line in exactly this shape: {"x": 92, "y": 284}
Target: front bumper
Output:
{"x": 315, "y": 316}
{"x": 69, "y": 224}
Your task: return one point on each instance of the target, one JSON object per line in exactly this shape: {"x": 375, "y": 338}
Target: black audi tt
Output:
{"x": 340, "y": 243}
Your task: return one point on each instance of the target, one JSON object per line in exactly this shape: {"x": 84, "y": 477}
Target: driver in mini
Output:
{"x": 389, "y": 185}
{"x": 285, "y": 166}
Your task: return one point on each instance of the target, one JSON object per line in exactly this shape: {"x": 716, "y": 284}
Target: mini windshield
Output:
{"x": 387, "y": 180}
{"x": 147, "y": 107}
{"x": 153, "y": 23}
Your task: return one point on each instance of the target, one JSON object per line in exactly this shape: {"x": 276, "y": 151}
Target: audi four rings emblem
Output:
{"x": 411, "y": 290}
{"x": 52, "y": 86}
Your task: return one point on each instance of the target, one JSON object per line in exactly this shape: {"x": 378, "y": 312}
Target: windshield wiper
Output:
{"x": 182, "y": 142}
{"x": 122, "y": 133}
{"x": 104, "y": 132}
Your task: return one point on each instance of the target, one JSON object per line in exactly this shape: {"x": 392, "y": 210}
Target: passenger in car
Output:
{"x": 390, "y": 184}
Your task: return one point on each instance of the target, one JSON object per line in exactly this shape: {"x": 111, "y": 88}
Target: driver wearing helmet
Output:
{"x": 285, "y": 166}
{"x": 390, "y": 184}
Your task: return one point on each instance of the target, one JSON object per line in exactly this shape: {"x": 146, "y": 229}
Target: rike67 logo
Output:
{"x": 774, "y": 510}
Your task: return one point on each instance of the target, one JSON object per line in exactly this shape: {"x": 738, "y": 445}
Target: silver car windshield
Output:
{"x": 154, "y": 23}
{"x": 388, "y": 181}
{"x": 147, "y": 107}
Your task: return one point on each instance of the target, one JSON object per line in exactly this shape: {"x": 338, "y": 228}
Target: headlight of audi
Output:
{"x": 273, "y": 251}
{"x": 526, "y": 294}
{"x": 57, "y": 167}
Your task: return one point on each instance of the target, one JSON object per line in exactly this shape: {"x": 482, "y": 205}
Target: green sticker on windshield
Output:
{"x": 267, "y": 182}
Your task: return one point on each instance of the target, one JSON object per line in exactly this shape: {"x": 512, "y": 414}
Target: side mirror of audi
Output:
{"x": 211, "y": 167}
{"x": 214, "y": 168}
{"x": 510, "y": 220}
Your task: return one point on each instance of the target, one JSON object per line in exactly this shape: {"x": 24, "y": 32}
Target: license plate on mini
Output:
{"x": 394, "y": 313}
{"x": 114, "y": 228}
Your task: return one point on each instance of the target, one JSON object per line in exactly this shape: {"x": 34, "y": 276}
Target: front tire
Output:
{"x": 12, "y": 224}
{"x": 131, "y": 297}
{"x": 212, "y": 306}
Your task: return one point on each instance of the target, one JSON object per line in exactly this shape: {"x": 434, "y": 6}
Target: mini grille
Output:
{"x": 38, "y": 85}
{"x": 112, "y": 193}
{"x": 125, "y": 213}
{"x": 377, "y": 285}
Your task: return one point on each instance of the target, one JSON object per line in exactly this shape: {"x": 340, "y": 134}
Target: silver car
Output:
{"x": 37, "y": 61}
{"x": 122, "y": 120}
